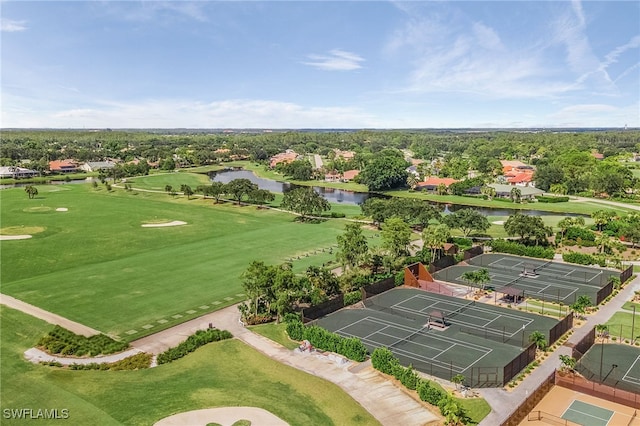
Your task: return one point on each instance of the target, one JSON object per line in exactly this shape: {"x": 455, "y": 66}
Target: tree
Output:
{"x": 434, "y": 237}
{"x": 442, "y": 189}
{"x": 216, "y": 190}
{"x": 305, "y": 201}
{"x": 602, "y": 217}
{"x": 352, "y": 246}
{"x": 261, "y": 196}
{"x": 602, "y": 330}
{"x": 539, "y": 339}
{"x": 467, "y": 220}
{"x": 186, "y": 190}
{"x": 477, "y": 278}
{"x": 396, "y": 237}
{"x": 568, "y": 363}
{"x": 31, "y": 191}
{"x": 516, "y": 194}
{"x": 169, "y": 190}
{"x": 298, "y": 169}
{"x": 526, "y": 226}
{"x": 457, "y": 380}
{"x": 238, "y": 188}
{"x": 412, "y": 181}
{"x": 386, "y": 170}
{"x": 567, "y": 223}
{"x": 489, "y": 191}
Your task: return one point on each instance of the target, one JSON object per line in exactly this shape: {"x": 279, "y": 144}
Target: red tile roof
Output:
{"x": 521, "y": 177}
{"x": 350, "y": 174}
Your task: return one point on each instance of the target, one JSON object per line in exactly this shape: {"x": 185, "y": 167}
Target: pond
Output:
{"x": 50, "y": 182}
{"x": 356, "y": 198}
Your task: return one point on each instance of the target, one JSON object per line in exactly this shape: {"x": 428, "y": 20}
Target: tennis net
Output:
{"x": 406, "y": 339}
{"x": 460, "y": 309}
{"x": 544, "y": 265}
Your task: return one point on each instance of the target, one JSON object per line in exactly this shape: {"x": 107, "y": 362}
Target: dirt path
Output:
{"x": 47, "y": 316}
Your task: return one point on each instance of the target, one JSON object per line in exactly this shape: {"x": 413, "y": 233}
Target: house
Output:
{"x": 433, "y": 182}
{"x": 96, "y": 166}
{"x": 345, "y": 155}
{"x": 521, "y": 179}
{"x": 63, "y": 166}
{"x": 413, "y": 169}
{"x": 332, "y": 177}
{"x": 284, "y": 157}
{"x": 17, "y": 172}
{"x": 526, "y": 192}
{"x": 450, "y": 248}
{"x": 349, "y": 175}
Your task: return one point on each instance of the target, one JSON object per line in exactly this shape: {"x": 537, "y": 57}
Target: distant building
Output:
{"x": 349, "y": 175}
{"x": 63, "y": 166}
{"x": 345, "y": 155}
{"x": 517, "y": 173}
{"x": 14, "y": 172}
{"x": 96, "y": 166}
{"x": 526, "y": 192}
{"x": 433, "y": 182}
{"x": 284, "y": 157}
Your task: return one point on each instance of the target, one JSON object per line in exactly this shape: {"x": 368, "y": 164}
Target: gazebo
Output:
{"x": 511, "y": 292}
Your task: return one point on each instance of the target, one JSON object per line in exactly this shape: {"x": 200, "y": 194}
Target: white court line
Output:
{"x": 626, "y": 376}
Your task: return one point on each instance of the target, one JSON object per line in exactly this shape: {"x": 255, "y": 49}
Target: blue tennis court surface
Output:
{"x": 587, "y": 415}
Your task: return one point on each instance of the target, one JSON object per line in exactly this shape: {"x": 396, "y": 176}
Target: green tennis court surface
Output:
{"x": 476, "y": 340}
{"x": 587, "y": 414}
{"x": 538, "y": 278}
{"x": 616, "y": 365}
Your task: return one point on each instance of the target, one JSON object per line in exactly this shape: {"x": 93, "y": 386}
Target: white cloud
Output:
{"x": 336, "y": 60}
{"x": 236, "y": 113}
{"x": 596, "y": 115}
{"x": 10, "y": 26}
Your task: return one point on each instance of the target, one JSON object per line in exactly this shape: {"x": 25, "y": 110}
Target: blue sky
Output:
{"x": 330, "y": 64}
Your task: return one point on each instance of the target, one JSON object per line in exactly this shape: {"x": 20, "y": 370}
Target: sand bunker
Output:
{"x": 62, "y": 209}
{"x": 158, "y": 225}
{"x": 498, "y": 222}
{"x": 14, "y": 237}
{"x": 225, "y": 416}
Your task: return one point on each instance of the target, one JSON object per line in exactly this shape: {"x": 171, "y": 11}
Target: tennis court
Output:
{"x": 587, "y": 414}
{"x": 537, "y": 278}
{"x": 616, "y": 365}
{"x": 476, "y": 340}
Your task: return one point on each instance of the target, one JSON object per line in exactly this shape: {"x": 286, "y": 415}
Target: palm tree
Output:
{"x": 31, "y": 191}
{"x": 568, "y": 363}
{"x": 602, "y": 331}
{"x": 442, "y": 189}
{"x": 412, "y": 181}
{"x": 516, "y": 194}
{"x": 434, "y": 237}
{"x": 539, "y": 339}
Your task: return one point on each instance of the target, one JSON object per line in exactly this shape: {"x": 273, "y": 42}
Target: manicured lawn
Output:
{"x": 568, "y": 207}
{"x": 275, "y": 332}
{"x": 227, "y": 373}
{"x": 97, "y": 265}
{"x": 622, "y": 326}
{"x": 159, "y": 181}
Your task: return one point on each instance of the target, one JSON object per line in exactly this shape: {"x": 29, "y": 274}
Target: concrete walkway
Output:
{"x": 389, "y": 404}
{"x": 47, "y": 316}
{"x": 504, "y": 402}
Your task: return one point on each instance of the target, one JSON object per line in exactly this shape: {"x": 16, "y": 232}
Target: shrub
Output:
{"x": 429, "y": 393}
{"x": 352, "y": 297}
{"x": 575, "y": 232}
{"x": 511, "y": 247}
{"x": 547, "y": 199}
{"x": 350, "y": 347}
{"x": 382, "y": 359}
{"x": 295, "y": 330}
{"x": 579, "y": 258}
{"x": 64, "y": 342}
{"x": 193, "y": 342}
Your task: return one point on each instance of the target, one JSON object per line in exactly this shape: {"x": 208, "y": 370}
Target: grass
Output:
{"x": 96, "y": 259}
{"x": 569, "y": 207}
{"x": 227, "y": 373}
{"x": 476, "y": 408}
{"x": 275, "y": 332}
{"x": 159, "y": 181}
{"x": 622, "y": 325}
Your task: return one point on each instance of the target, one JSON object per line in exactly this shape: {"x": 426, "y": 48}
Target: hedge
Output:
{"x": 383, "y": 360}
{"x": 547, "y": 199}
{"x": 350, "y": 347}
{"x": 352, "y": 297}
{"x": 193, "y": 342}
{"x": 134, "y": 362}
{"x": 504, "y": 246}
{"x": 64, "y": 342}
{"x": 583, "y": 259}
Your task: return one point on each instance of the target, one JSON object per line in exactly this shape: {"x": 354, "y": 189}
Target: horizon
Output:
{"x": 317, "y": 65}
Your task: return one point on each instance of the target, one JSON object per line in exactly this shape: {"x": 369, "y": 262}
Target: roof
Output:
{"x": 521, "y": 177}
{"x": 100, "y": 164}
{"x": 62, "y": 164}
{"x": 350, "y": 174}
{"x": 436, "y": 181}
{"x": 512, "y": 163}
{"x": 524, "y": 190}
